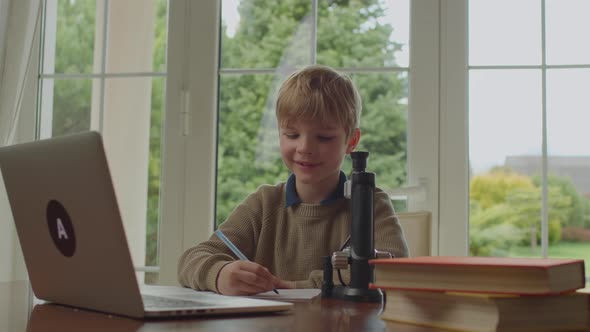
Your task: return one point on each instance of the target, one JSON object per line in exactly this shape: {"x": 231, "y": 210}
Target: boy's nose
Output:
{"x": 305, "y": 146}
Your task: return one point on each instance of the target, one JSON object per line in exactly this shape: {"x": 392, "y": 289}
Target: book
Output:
{"x": 502, "y": 275}
{"x": 488, "y": 312}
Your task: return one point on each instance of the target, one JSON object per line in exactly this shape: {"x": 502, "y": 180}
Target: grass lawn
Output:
{"x": 560, "y": 250}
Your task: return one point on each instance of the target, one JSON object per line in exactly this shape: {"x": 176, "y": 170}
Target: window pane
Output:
{"x": 567, "y": 32}
{"x": 265, "y": 34}
{"x": 154, "y": 176}
{"x": 72, "y": 47}
{"x": 278, "y": 36}
{"x": 356, "y": 34}
{"x": 503, "y": 32}
{"x": 65, "y": 109}
{"x": 384, "y": 128}
{"x": 569, "y": 163}
{"x": 504, "y": 147}
{"x": 248, "y": 149}
{"x": 248, "y": 152}
{"x": 160, "y": 35}
{"x": 69, "y": 36}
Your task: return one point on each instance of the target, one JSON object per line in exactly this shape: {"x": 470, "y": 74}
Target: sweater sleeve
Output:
{"x": 199, "y": 266}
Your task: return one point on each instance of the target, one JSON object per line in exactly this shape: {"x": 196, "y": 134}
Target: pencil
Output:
{"x": 235, "y": 249}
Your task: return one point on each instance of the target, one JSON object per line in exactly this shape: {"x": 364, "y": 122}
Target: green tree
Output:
{"x": 275, "y": 35}
{"x": 74, "y": 52}
{"x": 578, "y": 212}
{"x": 492, "y": 188}
{"x": 505, "y": 211}
{"x": 156, "y": 116}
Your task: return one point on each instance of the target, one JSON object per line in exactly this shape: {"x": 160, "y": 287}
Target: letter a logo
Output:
{"x": 61, "y": 228}
{"x": 61, "y": 231}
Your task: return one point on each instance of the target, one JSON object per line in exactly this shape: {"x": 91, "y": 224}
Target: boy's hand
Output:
{"x": 247, "y": 278}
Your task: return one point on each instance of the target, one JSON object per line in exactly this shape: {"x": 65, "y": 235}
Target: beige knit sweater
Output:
{"x": 289, "y": 241}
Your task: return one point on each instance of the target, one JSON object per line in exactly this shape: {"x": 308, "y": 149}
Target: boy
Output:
{"x": 285, "y": 229}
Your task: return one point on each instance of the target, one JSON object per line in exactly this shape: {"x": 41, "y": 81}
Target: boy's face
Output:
{"x": 314, "y": 151}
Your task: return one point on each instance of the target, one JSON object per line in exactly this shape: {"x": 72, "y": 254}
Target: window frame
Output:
{"x": 187, "y": 204}
{"x": 453, "y": 194}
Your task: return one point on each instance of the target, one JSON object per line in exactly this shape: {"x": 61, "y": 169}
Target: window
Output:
{"x": 262, "y": 43}
{"x": 103, "y": 68}
{"x": 529, "y": 193}
{"x": 453, "y": 99}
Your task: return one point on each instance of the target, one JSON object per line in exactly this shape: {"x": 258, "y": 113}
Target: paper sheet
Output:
{"x": 293, "y": 295}
{"x": 288, "y": 295}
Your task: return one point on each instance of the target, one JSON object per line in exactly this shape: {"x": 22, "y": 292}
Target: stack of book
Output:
{"x": 485, "y": 293}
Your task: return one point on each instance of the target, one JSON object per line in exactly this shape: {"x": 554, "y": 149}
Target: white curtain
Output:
{"x": 19, "y": 20}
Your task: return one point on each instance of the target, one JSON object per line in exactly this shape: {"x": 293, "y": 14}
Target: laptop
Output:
{"x": 72, "y": 236}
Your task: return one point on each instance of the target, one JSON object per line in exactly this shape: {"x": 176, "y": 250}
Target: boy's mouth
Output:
{"x": 304, "y": 164}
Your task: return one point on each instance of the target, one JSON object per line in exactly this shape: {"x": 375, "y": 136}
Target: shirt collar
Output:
{"x": 292, "y": 198}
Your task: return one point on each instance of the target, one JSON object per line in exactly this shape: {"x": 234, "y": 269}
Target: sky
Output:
{"x": 505, "y": 105}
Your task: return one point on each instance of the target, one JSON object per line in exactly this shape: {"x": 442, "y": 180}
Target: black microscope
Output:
{"x": 360, "y": 188}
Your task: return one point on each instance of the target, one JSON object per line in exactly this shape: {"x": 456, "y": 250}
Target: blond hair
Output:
{"x": 319, "y": 93}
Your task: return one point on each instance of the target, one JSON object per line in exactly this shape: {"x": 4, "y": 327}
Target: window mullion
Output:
{"x": 544, "y": 166}
{"x": 453, "y": 163}
{"x": 48, "y": 64}
{"x": 188, "y": 173}
{"x": 102, "y": 75}
{"x": 314, "y": 31}
{"x": 103, "y": 59}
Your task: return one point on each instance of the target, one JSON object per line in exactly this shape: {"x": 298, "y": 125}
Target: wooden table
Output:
{"x": 19, "y": 311}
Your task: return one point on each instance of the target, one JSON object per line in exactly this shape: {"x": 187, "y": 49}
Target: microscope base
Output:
{"x": 357, "y": 294}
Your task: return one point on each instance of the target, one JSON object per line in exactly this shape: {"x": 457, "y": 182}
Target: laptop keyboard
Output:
{"x": 159, "y": 302}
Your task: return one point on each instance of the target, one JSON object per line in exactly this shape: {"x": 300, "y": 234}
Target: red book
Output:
{"x": 499, "y": 275}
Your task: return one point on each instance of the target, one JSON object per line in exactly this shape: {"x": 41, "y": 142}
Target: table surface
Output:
{"x": 19, "y": 311}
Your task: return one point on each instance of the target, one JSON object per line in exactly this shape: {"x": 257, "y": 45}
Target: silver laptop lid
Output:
{"x": 69, "y": 225}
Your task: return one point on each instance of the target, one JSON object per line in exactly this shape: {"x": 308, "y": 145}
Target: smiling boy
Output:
{"x": 285, "y": 229}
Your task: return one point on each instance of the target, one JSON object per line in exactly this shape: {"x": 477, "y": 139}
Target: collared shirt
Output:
{"x": 292, "y": 198}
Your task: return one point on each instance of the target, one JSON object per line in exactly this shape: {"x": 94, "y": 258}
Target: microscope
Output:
{"x": 360, "y": 189}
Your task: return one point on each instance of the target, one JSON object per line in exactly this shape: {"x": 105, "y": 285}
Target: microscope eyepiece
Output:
{"x": 359, "y": 160}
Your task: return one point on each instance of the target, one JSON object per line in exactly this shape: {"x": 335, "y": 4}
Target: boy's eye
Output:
{"x": 325, "y": 138}
{"x": 291, "y": 135}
